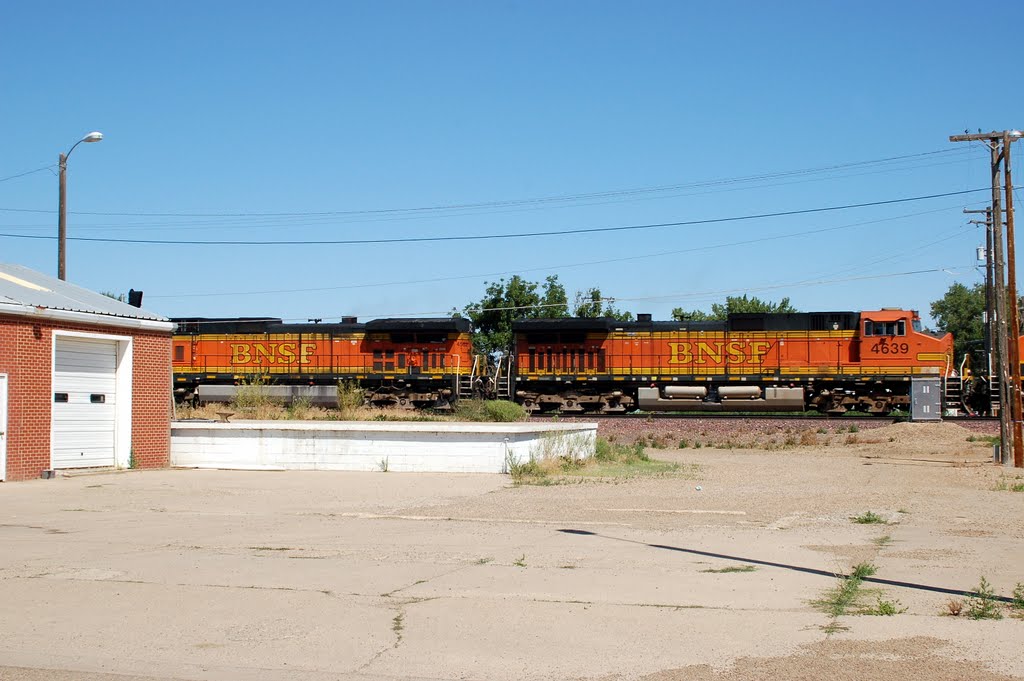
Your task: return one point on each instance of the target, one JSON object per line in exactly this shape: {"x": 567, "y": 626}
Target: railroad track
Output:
{"x": 865, "y": 418}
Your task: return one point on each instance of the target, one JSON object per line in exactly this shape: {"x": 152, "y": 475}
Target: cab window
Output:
{"x": 897, "y": 328}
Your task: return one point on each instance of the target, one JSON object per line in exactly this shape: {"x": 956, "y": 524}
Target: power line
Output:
{"x": 333, "y": 221}
{"x": 690, "y": 294}
{"x": 488, "y": 237}
{"x": 549, "y": 268}
{"x": 512, "y": 202}
{"x": 29, "y": 172}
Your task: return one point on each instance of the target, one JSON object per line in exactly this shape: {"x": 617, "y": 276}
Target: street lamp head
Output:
{"x": 1016, "y": 133}
{"x": 93, "y": 137}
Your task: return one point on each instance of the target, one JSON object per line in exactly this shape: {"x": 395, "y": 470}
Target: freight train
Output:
{"x": 831, "y": 362}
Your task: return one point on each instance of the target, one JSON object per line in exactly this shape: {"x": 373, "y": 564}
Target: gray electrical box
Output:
{"x": 925, "y": 399}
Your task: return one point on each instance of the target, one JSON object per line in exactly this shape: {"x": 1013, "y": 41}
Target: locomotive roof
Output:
{"x": 227, "y": 325}
{"x": 754, "y": 321}
{"x": 420, "y": 324}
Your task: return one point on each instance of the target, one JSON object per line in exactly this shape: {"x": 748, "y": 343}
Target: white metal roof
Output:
{"x": 27, "y": 292}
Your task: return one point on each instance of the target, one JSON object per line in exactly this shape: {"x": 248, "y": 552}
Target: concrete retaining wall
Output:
{"x": 442, "y": 447}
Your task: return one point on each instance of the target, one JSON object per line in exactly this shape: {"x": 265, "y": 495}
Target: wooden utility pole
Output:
{"x": 990, "y": 302}
{"x": 1011, "y": 274}
{"x": 1007, "y": 351}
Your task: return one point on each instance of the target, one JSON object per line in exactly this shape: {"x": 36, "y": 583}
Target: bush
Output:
{"x": 251, "y": 395}
{"x": 350, "y": 396}
{"x": 490, "y": 410}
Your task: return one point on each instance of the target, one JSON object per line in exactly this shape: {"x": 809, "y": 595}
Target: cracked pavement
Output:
{"x": 318, "y": 575}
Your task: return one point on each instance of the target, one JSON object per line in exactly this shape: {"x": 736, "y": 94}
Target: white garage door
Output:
{"x": 84, "y": 401}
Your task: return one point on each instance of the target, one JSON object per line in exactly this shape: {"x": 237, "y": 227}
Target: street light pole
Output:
{"x": 62, "y": 212}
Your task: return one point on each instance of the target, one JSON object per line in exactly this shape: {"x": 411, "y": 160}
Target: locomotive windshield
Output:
{"x": 897, "y": 328}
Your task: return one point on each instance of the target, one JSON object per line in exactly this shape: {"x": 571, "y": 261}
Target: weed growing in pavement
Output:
{"x": 1017, "y": 604}
{"x": 854, "y": 428}
{"x": 869, "y": 518}
{"x": 862, "y": 570}
{"x": 1005, "y": 485}
{"x": 822, "y": 430}
{"x": 982, "y": 604}
{"x": 483, "y": 561}
{"x": 954, "y": 606}
{"x": 808, "y": 437}
{"x": 397, "y": 624}
{"x": 882, "y": 541}
{"x": 886, "y": 608}
{"x": 383, "y": 464}
{"x": 520, "y": 561}
{"x": 834, "y": 627}
{"x": 611, "y": 460}
{"x": 683, "y": 444}
{"x": 523, "y": 471}
{"x": 846, "y": 595}
{"x": 730, "y": 569}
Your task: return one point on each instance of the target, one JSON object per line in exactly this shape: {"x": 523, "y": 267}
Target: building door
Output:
{"x": 3, "y": 426}
{"x": 84, "y": 402}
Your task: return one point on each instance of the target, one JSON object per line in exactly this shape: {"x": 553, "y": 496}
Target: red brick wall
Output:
{"x": 151, "y": 400}
{"x": 25, "y": 356}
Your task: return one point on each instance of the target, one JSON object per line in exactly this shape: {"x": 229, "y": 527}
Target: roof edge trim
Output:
{"x": 85, "y": 317}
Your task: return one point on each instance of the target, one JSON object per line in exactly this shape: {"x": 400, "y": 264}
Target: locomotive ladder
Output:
{"x": 993, "y": 394}
{"x": 465, "y": 383}
{"x": 953, "y": 395}
{"x": 503, "y": 381}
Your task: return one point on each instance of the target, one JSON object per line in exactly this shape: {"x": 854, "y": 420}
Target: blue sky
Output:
{"x": 217, "y": 116}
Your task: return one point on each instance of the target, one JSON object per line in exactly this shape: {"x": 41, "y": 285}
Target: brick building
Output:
{"x": 85, "y": 380}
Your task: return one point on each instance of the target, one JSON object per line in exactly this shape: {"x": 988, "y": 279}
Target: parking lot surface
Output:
{"x": 716, "y": 571}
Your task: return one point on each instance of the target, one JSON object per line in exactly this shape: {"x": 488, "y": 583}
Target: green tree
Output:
{"x": 734, "y": 305}
{"x": 506, "y": 301}
{"x": 960, "y": 312}
{"x": 588, "y": 304}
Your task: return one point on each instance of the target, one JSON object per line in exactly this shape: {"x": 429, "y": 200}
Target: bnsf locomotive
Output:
{"x": 397, "y": 362}
{"x": 832, "y": 362}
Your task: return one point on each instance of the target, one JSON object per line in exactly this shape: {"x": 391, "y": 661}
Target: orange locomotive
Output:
{"x": 832, "y": 362}
{"x": 396, "y": 362}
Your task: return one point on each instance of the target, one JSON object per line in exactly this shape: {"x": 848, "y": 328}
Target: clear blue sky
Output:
{"x": 211, "y": 110}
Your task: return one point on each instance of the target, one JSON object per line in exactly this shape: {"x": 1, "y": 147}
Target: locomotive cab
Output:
{"x": 895, "y": 339}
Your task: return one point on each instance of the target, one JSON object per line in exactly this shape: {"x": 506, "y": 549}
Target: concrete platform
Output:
{"x": 435, "y": 446}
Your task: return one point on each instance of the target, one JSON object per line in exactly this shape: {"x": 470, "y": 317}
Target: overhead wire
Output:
{"x": 681, "y": 295}
{"x": 506, "y": 202}
{"x": 563, "y": 266}
{"x": 505, "y": 236}
{"x": 257, "y": 223}
{"x": 28, "y": 172}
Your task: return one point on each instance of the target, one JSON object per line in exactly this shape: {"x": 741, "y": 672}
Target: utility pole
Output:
{"x": 1011, "y": 274}
{"x": 989, "y": 294}
{"x": 1008, "y": 357}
